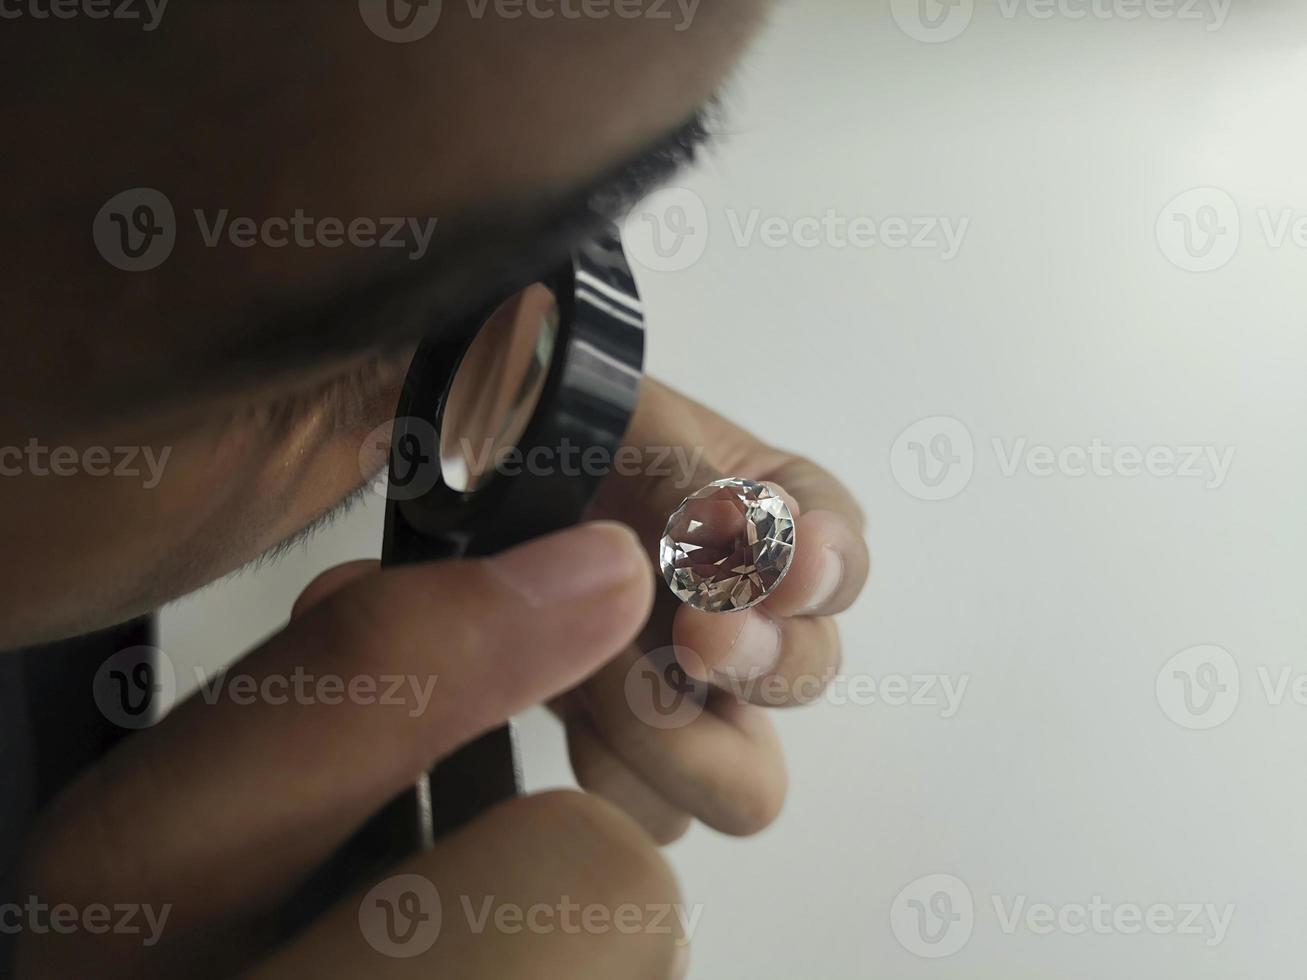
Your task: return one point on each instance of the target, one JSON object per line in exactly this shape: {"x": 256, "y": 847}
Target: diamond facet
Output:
{"x": 728, "y": 547}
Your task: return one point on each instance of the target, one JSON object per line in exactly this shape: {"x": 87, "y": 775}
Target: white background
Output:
{"x": 1070, "y": 771}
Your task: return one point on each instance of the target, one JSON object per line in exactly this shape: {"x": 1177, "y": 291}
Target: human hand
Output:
{"x": 722, "y": 765}
{"x": 205, "y": 824}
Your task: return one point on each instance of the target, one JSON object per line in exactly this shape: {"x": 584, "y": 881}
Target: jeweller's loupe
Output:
{"x": 507, "y": 404}
{"x": 545, "y": 376}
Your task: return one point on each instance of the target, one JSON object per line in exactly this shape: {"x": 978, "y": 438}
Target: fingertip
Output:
{"x": 830, "y": 568}
{"x": 329, "y": 583}
{"x": 701, "y": 638}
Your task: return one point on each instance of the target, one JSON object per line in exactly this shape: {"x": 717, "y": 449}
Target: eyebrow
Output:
{"x": 475, "y": 260}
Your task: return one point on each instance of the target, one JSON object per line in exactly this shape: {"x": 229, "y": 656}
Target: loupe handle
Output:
{"x": 462, "y": 786}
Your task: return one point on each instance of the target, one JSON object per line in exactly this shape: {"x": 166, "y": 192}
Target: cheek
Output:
{"x": 229, "y": 507}
{"x": 89, "y": 550}
{"x": 82, "y": 547}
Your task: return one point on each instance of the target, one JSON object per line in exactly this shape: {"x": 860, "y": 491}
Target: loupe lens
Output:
{"x": 497, "y": 388}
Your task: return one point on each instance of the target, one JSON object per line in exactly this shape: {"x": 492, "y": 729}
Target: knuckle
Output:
{"x": 821, "y": 666}
{"x": 43, "y": 870}
{"x": 539, "y": 853}
{"x": 357, "y": 622}
{"x": 595, "y": 774}
{"x": 622, "y": 865}
{"x": 592, "y": 770}
{"x": 830, "y": 660}
{"x": 754, "y": 805}
{"x": 377, "y": 623}
{"x": 670, "y": 829}
{"x": 57, "y": 861}
{"x": 753, "y": 813}
{"x": 804, "y": 471}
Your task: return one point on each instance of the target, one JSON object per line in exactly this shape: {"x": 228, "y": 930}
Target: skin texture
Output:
{"x": 222, "y": 809}
{"x": 378, "y": 129}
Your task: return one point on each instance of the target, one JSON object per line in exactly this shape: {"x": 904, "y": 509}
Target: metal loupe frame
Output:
{"x": 587, "y": 402}
{"x": 586, "y": 405}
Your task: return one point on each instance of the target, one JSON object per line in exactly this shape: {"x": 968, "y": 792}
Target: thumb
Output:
{"x": 250, "y": 785}
{"x": 329, "y": 583}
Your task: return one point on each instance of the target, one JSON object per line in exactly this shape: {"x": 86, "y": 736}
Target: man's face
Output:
{"x": 185, "y": 391}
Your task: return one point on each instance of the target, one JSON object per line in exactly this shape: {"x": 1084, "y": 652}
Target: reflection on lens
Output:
{"x": 498, "y": 387}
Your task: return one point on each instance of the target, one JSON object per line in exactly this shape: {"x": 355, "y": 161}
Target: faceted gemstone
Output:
{"x": 728, "y": 546}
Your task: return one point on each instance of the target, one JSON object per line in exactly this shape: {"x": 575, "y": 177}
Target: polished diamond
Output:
{"x": 728, "y": 546}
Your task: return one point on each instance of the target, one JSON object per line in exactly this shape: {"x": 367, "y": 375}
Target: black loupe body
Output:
{"x": 502, "y": 434}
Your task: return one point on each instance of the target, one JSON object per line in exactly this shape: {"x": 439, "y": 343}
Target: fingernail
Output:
{"x": 829, "y": 581}
{"x": 757, "y": 650}
{"x": 578, "y": 564}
